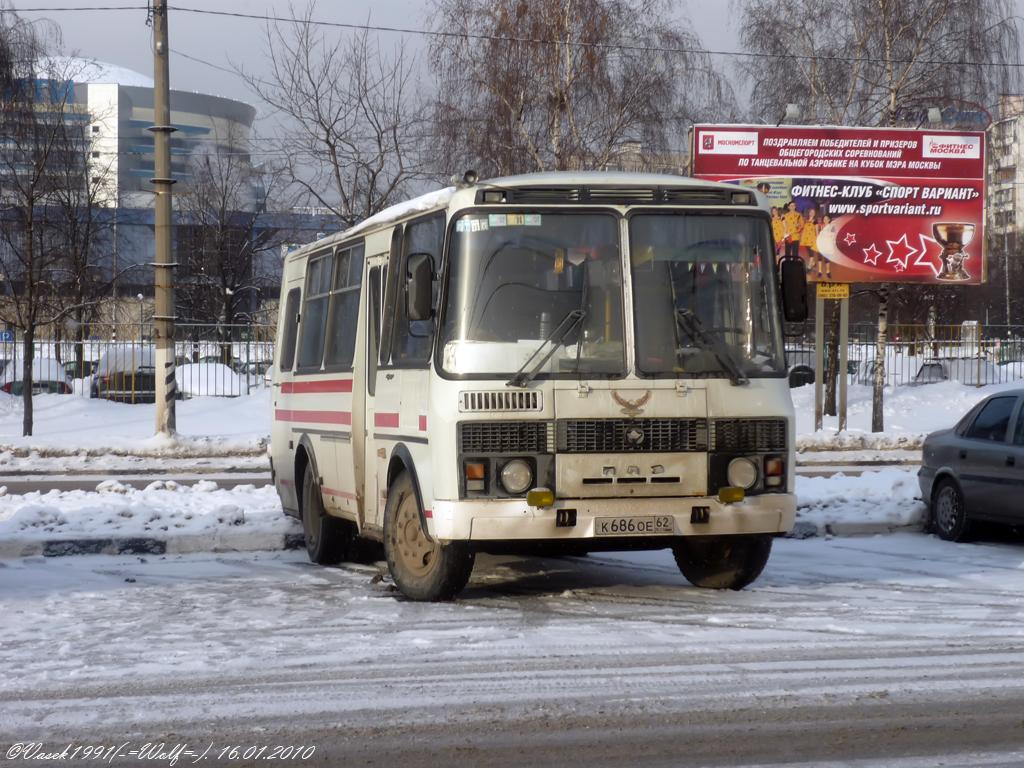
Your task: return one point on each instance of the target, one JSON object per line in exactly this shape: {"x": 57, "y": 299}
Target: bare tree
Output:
{"x": 224, "y": 246}
{"x": 83, "y": 232}
{"x": 43, "y": 132}
{"x": 564, "y": 84}
{"x": 352, "y": 118}
{"x": 876, "y": 63}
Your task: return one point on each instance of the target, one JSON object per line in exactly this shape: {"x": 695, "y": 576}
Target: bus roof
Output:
{"x": 443, "y": 197}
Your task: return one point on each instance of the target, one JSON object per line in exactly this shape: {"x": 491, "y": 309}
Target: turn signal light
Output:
{"x": 476, "y": 471}
{"x": 540, "y": 497}
{"x": 774, "y": 471}
{"x": 731, "y": 494}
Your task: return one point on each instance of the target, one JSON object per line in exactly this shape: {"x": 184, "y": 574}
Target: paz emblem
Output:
{"x": 634, "y": 436}
{"x": 632, "y": 407}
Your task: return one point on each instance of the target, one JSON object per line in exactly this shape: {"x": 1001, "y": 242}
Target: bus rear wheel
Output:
{"x": 422, "y": 568}
{"x": 722, "y": 562}
{"x": 328, "y": 539}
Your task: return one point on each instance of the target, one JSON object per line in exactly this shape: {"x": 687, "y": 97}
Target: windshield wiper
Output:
{"x": 522, "y": 377}
{"x": 693, "y": 327}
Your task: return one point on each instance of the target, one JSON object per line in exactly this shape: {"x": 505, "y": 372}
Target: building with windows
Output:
{"x": 120, "y": 105}
{"x": 1006, "y": 172}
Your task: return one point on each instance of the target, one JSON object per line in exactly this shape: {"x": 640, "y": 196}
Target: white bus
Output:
{"x": 585, "y": 361}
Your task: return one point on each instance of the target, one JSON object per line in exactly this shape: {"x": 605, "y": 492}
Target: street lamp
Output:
{"x": 141, "y": 319}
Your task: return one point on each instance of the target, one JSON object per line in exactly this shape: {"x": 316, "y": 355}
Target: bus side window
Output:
{"x": 344, "y": 309}
{"x": 319, "y": 273}
{"x": 291, "y": 330}
{"x": 373, "y": 331}
{"x": 414, "y": 338}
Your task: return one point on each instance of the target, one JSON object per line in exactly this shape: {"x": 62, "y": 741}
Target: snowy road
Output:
{"x": 887, "y": 651}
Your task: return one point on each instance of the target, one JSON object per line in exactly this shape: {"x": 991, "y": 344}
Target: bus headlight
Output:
{"x": 742, "y": 473}
{"x": 516, "y": 476}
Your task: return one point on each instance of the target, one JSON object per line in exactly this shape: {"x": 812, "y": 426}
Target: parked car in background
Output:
{"x": 975, "y": 471}
{"x": 966, "y": 370}
{"x": 126, "y": 373}
{"x": 76, "y": 371}
{"x": 209, "y": 380}
{"x": 48, "y": 377}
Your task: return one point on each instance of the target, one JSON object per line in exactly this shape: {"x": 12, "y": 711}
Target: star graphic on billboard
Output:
{"x": 900, "y": 252}
{"x": 871, "y": 255}
{"x": 933, "y": 259}
{"x": 850, "y": 238}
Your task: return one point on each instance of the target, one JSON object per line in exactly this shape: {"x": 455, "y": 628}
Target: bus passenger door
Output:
{"x": 375, "y": 457}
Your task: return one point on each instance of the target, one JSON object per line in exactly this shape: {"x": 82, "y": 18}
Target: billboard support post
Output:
{"x": 844, "y": 345}
{"x": 819, "y": 361}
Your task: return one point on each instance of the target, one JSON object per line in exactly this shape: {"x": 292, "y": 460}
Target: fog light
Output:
{"x": 731, "y": 495}
{"x": 742, "y": 473}
{"x": 516, "y": 476}
{"x": 540, "y": 497}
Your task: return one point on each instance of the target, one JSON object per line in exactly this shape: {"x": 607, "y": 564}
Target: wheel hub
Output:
{"x": 946, "y": 509}
{"x": 418, "y": 553}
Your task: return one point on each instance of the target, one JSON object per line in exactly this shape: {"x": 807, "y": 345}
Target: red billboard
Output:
{"x": 861, "y": 204}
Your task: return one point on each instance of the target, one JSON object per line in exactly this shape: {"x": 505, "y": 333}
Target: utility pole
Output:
{"x": 163, "y": 267}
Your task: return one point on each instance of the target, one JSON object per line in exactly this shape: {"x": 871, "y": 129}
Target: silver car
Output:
{"x": 975, "y": 471}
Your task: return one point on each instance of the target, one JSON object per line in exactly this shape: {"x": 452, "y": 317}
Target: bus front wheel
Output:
{"x": 422, "y": 568}
{"x": 722, "y": 562}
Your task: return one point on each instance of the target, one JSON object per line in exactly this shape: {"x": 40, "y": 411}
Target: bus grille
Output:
{"x": 632, "y": 435}
{"x": 475, "y": 402}
{"x": 748, "y": 435}
{"x": 507, "y": 437}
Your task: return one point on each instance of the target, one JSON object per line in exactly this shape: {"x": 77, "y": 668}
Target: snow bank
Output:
{"x": 911, "y": 412}
{"x": 204, "y": 515}
{"x": 873, "y": 500}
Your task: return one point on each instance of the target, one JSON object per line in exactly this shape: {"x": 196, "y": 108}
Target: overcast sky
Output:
{"x": 122, "y": 37}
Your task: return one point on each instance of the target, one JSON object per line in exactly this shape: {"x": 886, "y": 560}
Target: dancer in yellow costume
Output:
{"x": 809, "y": 241}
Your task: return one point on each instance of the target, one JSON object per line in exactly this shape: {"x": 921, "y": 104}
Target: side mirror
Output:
{"x": 419, "y": 286}
{"x": 793, "y": 279}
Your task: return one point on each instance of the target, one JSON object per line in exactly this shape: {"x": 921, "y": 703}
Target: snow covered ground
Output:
{"x": 898, "y": 650}
{"x": 911, "y": 412}
{"x": 207, "y": 426}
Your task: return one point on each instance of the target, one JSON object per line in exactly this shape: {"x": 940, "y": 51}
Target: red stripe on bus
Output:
{"x": 389, "y": 420}
{"x": 423, "y": 423}
{"x": 428, "y": 513}
{"x": 336, "y": 492}
{"x": 314, "y": 417}
{"x": 316, "y": 387}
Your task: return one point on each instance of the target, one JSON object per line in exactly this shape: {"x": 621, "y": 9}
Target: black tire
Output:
{"x": 422, "y": 568}
{"x": 328, "y": 539}
{"x": 949, "y": 518}
{"x": 722, "y": 562}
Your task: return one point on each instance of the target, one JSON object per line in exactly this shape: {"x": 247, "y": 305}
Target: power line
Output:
{"x": 636, "y": 48}
{"x": 577, "y": 44}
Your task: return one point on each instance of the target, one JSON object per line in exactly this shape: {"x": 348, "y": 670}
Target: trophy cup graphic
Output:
{"x": 953, "y": 237}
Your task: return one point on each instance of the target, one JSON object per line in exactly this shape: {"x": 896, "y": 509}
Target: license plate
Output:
{"x": 632, "y": 526}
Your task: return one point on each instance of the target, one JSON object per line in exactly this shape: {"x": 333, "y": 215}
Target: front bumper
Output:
{"x": 515, "y": 520}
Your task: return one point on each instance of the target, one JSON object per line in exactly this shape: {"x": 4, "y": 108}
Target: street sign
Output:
{"x": 833, "y": 290}
{"x": 7, "y": 337}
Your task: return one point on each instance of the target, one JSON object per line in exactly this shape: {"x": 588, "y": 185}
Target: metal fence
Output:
{"x": 917, "y": 355}
{"x": 116, "y": 362}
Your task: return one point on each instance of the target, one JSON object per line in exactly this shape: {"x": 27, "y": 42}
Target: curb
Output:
{"x": 808, "y": 530}
{"x": 177, "y": 545}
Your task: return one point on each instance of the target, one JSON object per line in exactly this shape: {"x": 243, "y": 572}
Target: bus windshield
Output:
{"x": 704, "y": 296}
{"x": 520, "y": 281}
